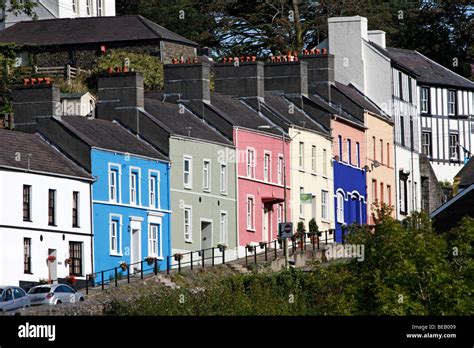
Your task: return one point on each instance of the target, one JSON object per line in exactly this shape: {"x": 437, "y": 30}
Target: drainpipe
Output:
{"x": 92, "y": 228}
{"x": 237, "y": 216}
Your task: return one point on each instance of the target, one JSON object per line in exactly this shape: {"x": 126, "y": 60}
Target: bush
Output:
{"x": 151, "y": 67}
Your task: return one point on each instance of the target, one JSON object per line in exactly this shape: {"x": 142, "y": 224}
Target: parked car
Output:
{"x": 53, "y": 294}
{"x": 13, "y": 297}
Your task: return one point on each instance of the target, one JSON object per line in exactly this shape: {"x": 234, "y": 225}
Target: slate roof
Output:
{"x": 466, "y": 174}
{"x": 89, "y": 30}
{"x": 277, "y": 108}
{"x": 109, "y": 135}
{"x": 170, "y": 117}
{"x": 360, "y": 99}
{"x": 427, "y": 70}
{"x": 335, "y": 110}
{"x": 44, "y": 157}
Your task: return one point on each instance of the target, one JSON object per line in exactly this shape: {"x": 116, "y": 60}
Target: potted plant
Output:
{"x": 178, "y": 256}
{"x": 262, "y": 245}
{"x": 150, "y": 260}
{"x": 43, "y": 281}
{"x": 91, "y": 277}
{"x": 249, "y": 247}
{"x": 313, "y": 230}
{"x": 68, "y": 261}
{"x": 123, "y": 265}
{"x": 51, "y": 258}
{"x": 222, "y": 247}
{"x": 71, "y": 279}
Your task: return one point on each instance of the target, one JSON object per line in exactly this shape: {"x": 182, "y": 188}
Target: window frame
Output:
{"x": 313, "y": 159}
{"x": 27, "y": 256}
{"x": 157, "y": 240}
{"x": 325, "y": 205}
{"x": 135, "y": 172}
{"x": 223, "y": 178}
{"x": 251, "y": 162}
{"x": 280, "y": 169}
{"x": 267, "y": 166}
{"x": 27, "y": 213}
{"x": 115, "y": 170}
{"x": 423, "y": 101}
{"x": 52, "y": 207}
{"x": 451, "y": 103}
{"x": 206, "y": 175}
{"x": 115, "y": 219}
{"x": 454, "y": 146}
{"x": 301, "y": 155}
{"x": 250, "y": 214}
{"x": 223, "y": 230}
{"x": 425, "y": 145}
{"x": 77, "y": 262}
{"x": 76, "y": 201}
{"x": 154, "y": 175}
{"x": 188, "y": 209}
{"x": 189, "y": 159}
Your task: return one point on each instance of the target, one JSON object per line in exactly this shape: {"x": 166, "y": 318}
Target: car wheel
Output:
{"x": 58, "y": 302}
{"x": 81, "y": 299}
{"x": 26, "y": 306}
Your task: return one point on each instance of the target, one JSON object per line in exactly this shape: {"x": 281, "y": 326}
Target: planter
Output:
{"x": 68, "y": 261}
{"x": 178, "y": 257}
{"x": 51, "y": 258}
{"x": 150, "y": 260}
{"x": 262, "y": 245}
{"x": 250, "y": 248}
{"x": 71, "y": 280}
{"x": 123, "y": 266}
{"x": 222, "y": 247}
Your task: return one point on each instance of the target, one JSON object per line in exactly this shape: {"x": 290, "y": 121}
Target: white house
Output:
{"x": 45, "y": 213}
{"x": 361, "y": 59}
{"x": 53, "y": 9}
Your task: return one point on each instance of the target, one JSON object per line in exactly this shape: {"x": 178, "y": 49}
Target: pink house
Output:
{"x": 261, "y": 184}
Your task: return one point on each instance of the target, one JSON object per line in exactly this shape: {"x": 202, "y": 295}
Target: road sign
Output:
{"x": 285, "y": 229}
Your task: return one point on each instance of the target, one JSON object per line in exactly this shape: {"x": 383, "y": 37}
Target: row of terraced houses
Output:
{"x": 321, "y": 134}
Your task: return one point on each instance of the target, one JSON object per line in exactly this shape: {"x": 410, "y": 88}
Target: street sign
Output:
{"x": 285, "y": 229}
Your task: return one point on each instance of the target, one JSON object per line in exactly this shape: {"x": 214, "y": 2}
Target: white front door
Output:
{"x": 135, "y": 246}
{"x": 265, "y": 225}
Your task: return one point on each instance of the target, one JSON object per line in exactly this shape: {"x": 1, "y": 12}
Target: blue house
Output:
{"x": 130, "y": 194}
{"x": 350, "y": 204}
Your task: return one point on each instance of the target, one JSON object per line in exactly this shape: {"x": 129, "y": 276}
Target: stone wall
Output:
{"x": 86, "y": 57}
{"x": 432, "y": 194}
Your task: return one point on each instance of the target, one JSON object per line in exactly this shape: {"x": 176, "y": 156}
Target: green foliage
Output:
{"x": 149, "y": 66}
{"x": 301, "y": 228}
{"x": 313, "y": 226}
{"x": 407, "y": 269}
{"x": 17, "y": 7}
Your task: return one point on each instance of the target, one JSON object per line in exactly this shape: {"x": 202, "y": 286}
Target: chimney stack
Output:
{"x": 288, "y": 77}
{"x": 320, "y": 73}
{"x": 243, "y": 80}
{"x": 122, "y": 90}
{"x": 378, "y": 37}
{"x": 36, "y": 98}
{"x": 191, "y": 80}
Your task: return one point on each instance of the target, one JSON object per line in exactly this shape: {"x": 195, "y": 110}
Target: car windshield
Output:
{"x": 41, "y": 290}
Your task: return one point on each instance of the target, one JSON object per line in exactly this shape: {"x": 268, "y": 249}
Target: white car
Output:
{"x": 13, "y": 297}
{"x": 53, "y": 294}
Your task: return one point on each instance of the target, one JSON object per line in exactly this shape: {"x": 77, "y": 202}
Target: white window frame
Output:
{"x": 74, "y": 7}
{"x": 301, "y": 155}
{"x": 358, "y": 153}
{"x": 206, "y": 175}
{"x": 116, "y": 169}
{"x": 223, "y": 178}
{"x": 280, "y": 169}
{"x": 340, "y": 207}
{"x": 251, "y": 162}
{"x": 132, "y": 172}
{"x": 280, "y": 213}
{"x": 424, "y": 100}
{"x": 223, "y": 227}
{"x": 189, "y": 238}
{"x": 188, "y": 185}
{"x": 267, "y": 166}
{"x": 426, "y": 135}
{"x": 100, "y": 8}
{"x": 324, "y": 205}
{"x": 88, "y": 7}
{"x": 250, "y": 213}
{"x": 158, "y": 252}
{"x": 454, "y": 149}
{"x": 451, "y": 103}
{"x": 156, "y": 202}
{"x": 313, "y": 159}
{"x": 114, "y": 218}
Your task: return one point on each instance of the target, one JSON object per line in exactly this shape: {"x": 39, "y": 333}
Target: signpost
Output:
{"x": 285, "y": 230}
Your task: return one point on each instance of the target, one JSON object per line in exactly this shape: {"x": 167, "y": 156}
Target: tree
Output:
{"x": 17, "y": 7}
